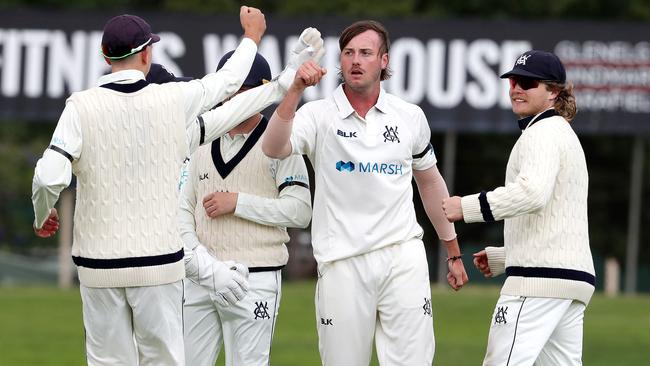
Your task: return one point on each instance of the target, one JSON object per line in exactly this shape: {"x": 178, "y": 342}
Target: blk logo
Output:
{"x": 346, "y": 134}
{"x": 262, "y": 310}
{"x": 341, "y": 166}
{"x": 427, "y": 307}
{"x": 203, "y": 176}
{"x": 522, "y": 59}
{"x": 324, "y": 321}
{"x": 391, "y": 134}
{"x": 500, "y": 316}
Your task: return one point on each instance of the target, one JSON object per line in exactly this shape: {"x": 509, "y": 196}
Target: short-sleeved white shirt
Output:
{"x": 363, "y": 169}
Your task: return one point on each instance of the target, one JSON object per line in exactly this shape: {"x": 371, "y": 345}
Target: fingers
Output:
{"x": 241, "y": 269}
{"x": 310, "y": 35}
{"x": 227, "y": 298}
{"x": 319, "y": 54}
{"x": 310, "y": 73}
{"x": 50, "y": 226}
{"x": 211, "y": 205}
{"x": 481, "y": 263}
{"x": 253, "y": 22}
{"x": 452, "y": 208}
{"x": 240, "y": 281}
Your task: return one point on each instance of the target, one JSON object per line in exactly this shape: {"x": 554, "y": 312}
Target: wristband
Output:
{"x": 456, "y": 257}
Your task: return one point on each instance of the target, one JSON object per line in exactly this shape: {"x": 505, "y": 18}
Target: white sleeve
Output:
{"x": 531, "y": 189}
{"x": 202, "y": 94}
{"x": 304, "y": 132}
{"x": 423, "y": 154}
{"x": 217, "y": 122}
{"x": 496, "y": 260}
{"x": 187, "y": 206}
{"x": 53, "y": 170}
{"x": 292, "y": 208}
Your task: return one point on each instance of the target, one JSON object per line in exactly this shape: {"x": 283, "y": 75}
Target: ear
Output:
{"x": 146, "y": 55}
{"x": 108, "y": 61}
{"x": 553, "y": 93}
{"x": 384, "y": 61}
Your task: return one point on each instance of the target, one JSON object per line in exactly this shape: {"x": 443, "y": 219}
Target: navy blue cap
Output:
{"x": 158, "y": 74}
{"x": 260, "y": 70}
{"x": 539, "y": 65}
{"x": 126, "y": 35}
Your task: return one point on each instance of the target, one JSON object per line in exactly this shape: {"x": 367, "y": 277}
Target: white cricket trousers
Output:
{"x": 245, "y": 329}
{"x": 383, "y": 294}
{"x": 134, "y": 326}
{"x": 535, "y": 331}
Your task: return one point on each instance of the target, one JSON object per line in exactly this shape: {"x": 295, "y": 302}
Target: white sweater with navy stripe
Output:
{"x": 544, "y": 205}
{"x": 125, "y": 231}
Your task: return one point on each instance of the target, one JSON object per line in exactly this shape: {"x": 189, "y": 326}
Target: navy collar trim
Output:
{"x": 523, "y": 123}
{"x": 225, "y": 168}
{"x": 126, "y": 88}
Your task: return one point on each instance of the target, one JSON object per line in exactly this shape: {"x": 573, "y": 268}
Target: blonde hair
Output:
{"x": 565, "y": 102}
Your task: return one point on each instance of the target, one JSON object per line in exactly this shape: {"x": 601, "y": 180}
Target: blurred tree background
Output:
{"x": 481, "y": 158}
{"x": 502, "y": 9}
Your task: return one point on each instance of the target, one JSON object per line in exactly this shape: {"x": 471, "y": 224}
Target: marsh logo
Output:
{"x": 341, "y": 166}
{"x": 370, "y": 167}
{"x": 381, "y": 168}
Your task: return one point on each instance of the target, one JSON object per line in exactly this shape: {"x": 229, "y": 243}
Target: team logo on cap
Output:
{"x": 522, "y": 60}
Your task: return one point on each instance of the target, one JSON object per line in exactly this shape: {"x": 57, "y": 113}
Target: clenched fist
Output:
{"x": 253, "y": 22}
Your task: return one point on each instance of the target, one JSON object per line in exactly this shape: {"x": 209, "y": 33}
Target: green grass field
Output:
{"x": 42, "y": 326}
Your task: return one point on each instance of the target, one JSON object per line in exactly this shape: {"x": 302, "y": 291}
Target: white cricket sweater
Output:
{"x": 229, "y": 237}
{"x": 544, "y": 205}
{"x": 134, "y": 141}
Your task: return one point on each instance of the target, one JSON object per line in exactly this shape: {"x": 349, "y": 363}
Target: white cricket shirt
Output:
{"x": 363, "y": 169}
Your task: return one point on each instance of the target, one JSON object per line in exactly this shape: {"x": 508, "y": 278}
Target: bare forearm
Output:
{"x": 433, "y": 190}
{"x": 276, "y": 139}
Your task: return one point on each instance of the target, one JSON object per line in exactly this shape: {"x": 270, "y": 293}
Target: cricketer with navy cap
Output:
{"x": 125, "y": 140}
{"x": 238, "y": 203}
{"x": 546, "y": 257}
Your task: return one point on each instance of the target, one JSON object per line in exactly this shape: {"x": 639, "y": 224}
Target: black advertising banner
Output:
{"x": 450, "y": 68}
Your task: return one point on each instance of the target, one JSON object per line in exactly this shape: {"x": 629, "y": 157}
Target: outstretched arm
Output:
{"x": 276, "y": 139}
{"x": 433, "y": 190}
{"x": 215, "y": 123}
{"x": 527, "y": 193}
{"x": 202, "y": 94}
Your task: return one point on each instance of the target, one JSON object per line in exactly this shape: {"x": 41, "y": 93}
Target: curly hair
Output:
{"x": 565, "y": 102}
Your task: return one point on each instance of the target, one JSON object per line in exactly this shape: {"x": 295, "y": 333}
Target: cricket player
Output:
{"x": 237, "y": 203}
{"x": 538, "y": 318}
{"x": 366, "y": 146}
{"x": 125, "y": 140}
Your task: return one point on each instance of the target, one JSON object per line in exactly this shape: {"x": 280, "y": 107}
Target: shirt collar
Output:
{"x": 531, "y": 120}
{"x": 122, "y": 77}
{"x": 345, "y": 108}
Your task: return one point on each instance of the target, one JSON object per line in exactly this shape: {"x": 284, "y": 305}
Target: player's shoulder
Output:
{"x": 319, "y": 108}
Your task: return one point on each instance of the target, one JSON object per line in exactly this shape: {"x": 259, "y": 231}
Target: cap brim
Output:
{"x": 154, "y": 38}
{"x": 519, "y": 72}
